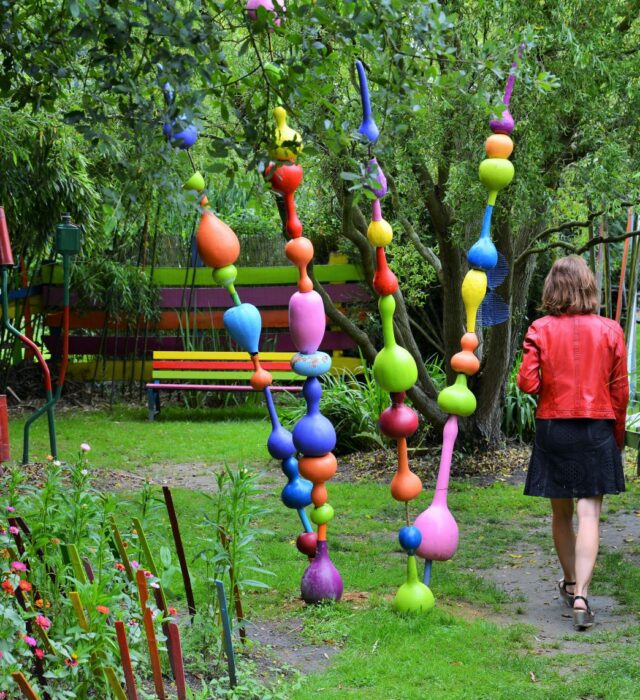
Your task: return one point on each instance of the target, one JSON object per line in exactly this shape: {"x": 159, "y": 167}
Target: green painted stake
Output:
{"x": 149, "y": 558}
{"x": 114, "y": 683}
{"x": 76, "y": 563}
{"x": 228, "y": 639}
{"x": 121, "y": 548}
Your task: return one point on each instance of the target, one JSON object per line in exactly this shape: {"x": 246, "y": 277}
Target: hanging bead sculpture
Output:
{"x": 219, "y": 248}
{"x": 313, "y": 436}
{"x": 438, "y": 528}
{"x": 394, "y": 370}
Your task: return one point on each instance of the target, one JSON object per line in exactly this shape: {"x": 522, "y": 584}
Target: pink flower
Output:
{"x": 154, "y": 585}
{"x": 43, "y": 622}
{"x": 85, "y": 447}
{"x": 14, "y": 530}
{"x": 30, "y": 641}
{"x": 39, "y": 653}
{"x": 18, "y": 566}
{"x": 134, "y": 564}
{"x": 11, "y": 509}
{"x": 148, "y": 574}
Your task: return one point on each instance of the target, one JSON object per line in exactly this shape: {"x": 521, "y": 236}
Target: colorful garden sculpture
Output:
{"x": 313, "y": 436}
{"x": 437, "y": 526}
{"x": 394, "y": 370}
{"x": 434, "y": 535}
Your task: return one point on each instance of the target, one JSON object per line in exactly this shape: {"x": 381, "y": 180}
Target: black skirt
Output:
{"x": 574, "y": 458}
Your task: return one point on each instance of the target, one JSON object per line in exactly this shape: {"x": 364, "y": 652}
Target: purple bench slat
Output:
{"x": 129, "y": 345}
{"x": 207, "y": 298}
{"x": 218, "y": 387}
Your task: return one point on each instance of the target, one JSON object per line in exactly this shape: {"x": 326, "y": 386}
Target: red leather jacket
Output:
{"x": 578, "y": 366}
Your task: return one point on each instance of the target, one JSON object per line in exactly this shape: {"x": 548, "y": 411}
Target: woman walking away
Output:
{"x": 576, "y": 362}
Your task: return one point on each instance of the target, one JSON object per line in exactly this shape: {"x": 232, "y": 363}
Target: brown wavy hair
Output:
{"x": 570, "y": 288}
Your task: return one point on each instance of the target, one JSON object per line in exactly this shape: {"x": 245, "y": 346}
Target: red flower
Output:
{"x": 103, "y": 609}
{"x": 43, "y": 622}
{"x": 119, "y": 566}
{"x": 73, "y": 661}
{"x": 39, "y": 653}
{"x": 173, "y": 612}
{"x": 24, "y": 586}
{"x": 7, "y": 587}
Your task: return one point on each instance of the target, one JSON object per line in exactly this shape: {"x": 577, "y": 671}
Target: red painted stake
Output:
{"x": 153, "y": 654}
{"x": 130, "y": 681}
{"x": 26, "y": 689}
{"x": 143, "y": 591}
{"x": 178, "y": 664}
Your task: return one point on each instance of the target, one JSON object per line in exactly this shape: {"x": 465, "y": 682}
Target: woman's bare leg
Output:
{"x": 587, "y": 543}
{"x": 564, "y": 537}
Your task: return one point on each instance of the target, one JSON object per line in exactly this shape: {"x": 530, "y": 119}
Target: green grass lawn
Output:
{"x": 125, "y": 439}
{"x": 455, "y": 652}
{"x": 460, "y": 650}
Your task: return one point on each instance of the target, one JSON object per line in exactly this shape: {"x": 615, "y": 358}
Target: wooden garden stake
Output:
{"x": 24, "y": 686}
{"x": 178, "y": 663}
{"x": 76, "y": 563}
{"x": 143, "y": 591}
{"x": 122, "y": 551}
{"x": 226, "y": 628}
{"x": 224, "y": 539}
{"x": 151, "y": 564}
{"x": 88, "y": 569}
{"x": 114, "y": 683}
{"x": 157, "y": 594}
{"x": 173, "y": 519}
{"x": 125, "y": 656}
{"x": 153, "y": 653}
{"x": 79, "y": 610}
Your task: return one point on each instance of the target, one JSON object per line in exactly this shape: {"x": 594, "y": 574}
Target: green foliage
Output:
{"x": 123, "y": 291}
{"x": 353, "y": 403}
{"x": 520, "y": 408}
{"x": 67, "y": 509}
{"x": 46, "y": 168}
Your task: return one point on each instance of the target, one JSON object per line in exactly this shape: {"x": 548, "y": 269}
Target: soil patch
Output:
{"x": 282, "y": 639}
{"x": 508, "y": 464}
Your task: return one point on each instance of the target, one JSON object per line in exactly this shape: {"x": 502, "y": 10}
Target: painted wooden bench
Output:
{"x": 191, "y": 308}
{"x": 179, "y": 371}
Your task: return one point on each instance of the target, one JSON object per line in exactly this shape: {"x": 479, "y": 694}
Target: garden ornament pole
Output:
{"x": 313, "y": 436}
{"x": 437, "y": 526}
{"x": 394, "y": 369}
{"x": 219, "y": 248}
{"x": 6, "y": 263}
{"x": 68, "y": 242}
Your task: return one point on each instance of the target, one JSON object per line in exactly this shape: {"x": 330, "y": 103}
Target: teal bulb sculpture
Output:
{"x": 413, "y": 596}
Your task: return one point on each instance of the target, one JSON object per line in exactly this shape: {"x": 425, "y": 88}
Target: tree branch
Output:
{"x": 425, "y": 252}
{"x": 576, "y": 250}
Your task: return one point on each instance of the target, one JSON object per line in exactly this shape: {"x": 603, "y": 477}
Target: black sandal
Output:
{"x": 564, "y": 593}
{"x": 583, "y": 619}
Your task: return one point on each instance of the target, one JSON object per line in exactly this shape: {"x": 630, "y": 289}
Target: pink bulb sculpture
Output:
{"x": 438, "y": 527}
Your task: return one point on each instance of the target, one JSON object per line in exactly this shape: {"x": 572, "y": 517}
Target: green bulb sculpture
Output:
{"x": 394, "y": 368}
{"x": 457, "y": 399}
{"x": 413, "y": 596}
